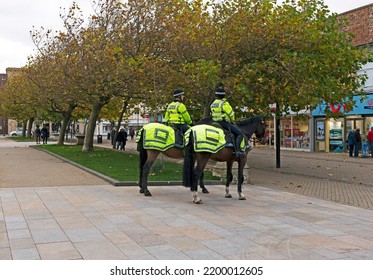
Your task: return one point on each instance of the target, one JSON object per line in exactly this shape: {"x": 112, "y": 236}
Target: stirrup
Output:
{"x": 240, "y": 154}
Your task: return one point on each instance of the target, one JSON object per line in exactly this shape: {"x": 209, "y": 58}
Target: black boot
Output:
{"x": 239, "y": 152}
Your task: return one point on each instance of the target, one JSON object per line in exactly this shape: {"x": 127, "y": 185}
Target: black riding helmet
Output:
{"x": 178, "y": 93}
{"x": 219, "y": 91}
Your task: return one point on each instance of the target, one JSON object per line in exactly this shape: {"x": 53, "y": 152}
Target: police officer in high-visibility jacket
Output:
{"x": 222, "y": 113}
{"x": 177, "y": 114}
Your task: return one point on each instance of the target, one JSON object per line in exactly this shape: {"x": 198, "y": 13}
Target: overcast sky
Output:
{"x": 18, "y": 17}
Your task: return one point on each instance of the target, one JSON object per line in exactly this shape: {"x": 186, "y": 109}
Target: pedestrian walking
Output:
{"x": 121, "y": 139}
{"x": 351, "y": 142}
{"x": 45, "y": 134}
{"x": 357, "y": 142}
{"x": 37, "y": 134}
{"x": 132, "y": 133}
{"x": 112, "y": 135}
{"x": 370, "y": 141}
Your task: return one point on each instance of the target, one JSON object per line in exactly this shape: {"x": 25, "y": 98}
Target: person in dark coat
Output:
{"x": 121, "y": 139}
{"x": 45, "y": 134}
{"x": 351, "y": 142}
{"x": 357, "y": 142}
{"x": 37, "y": 134}
{"x": 112, "y": 134}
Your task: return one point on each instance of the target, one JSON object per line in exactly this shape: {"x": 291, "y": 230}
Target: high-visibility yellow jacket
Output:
{"x": 177, "y": 113}
{"x": 221, "y": 110}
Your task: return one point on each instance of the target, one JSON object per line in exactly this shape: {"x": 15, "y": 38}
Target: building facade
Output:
{"x": 3, "y": 120}
{"x": 330, "y": 134}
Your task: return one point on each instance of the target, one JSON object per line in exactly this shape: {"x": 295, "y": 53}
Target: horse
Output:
{"x": 192, "y": 173}
{"x": 149, "y": 153}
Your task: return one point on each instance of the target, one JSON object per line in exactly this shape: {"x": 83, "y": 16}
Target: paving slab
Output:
{"x": 90, "y": 219}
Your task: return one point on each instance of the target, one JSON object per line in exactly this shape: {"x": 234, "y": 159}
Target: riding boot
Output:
{"x": 239, "y": 152}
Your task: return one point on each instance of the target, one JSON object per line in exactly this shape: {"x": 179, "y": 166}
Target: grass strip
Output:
{"x": 118, "y": 165}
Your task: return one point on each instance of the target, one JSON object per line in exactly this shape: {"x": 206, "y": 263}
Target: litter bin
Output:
{"x": 99, "y": 139}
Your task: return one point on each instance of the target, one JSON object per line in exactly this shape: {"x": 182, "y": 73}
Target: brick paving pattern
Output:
{"x": 333, "y": 177}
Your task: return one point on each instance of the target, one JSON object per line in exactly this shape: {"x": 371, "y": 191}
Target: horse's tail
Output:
{"x": 142, "y": 153}
{"x": 188, "y": 169}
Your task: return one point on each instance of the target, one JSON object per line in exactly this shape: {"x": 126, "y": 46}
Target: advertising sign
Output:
{"x": 320, "y": 130}
{"x": 335, "y": 134}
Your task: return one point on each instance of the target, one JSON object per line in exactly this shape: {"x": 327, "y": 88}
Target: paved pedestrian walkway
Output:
{"x": 329, "y": 176}
{"x": 99, "y": 221}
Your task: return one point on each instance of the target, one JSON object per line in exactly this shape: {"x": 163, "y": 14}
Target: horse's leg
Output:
{"x": 229, "y": 179}
{"x": 240, "y": 178}
{"x": 202, "y": 185}
{"x": 202, "y": 159}
{"x": 145, "y": 172}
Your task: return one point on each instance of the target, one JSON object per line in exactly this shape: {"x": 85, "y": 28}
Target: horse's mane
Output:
{"x": 248, "y": 121}
{"x": 207, "y": 120}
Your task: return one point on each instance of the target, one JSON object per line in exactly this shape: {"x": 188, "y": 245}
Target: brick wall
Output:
{"x": 361, "y": 24}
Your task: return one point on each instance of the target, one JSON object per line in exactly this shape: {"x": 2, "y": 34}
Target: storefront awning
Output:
{"x": 361, "y": 108}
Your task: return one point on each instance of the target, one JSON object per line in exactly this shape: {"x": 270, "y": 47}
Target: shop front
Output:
{"x": 330, "y": 134}
{"x": 294, "y": 131}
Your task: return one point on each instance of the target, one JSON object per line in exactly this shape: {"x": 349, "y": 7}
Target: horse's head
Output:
{"x": 260, "y": 132}
{"x": 255, "y": 125}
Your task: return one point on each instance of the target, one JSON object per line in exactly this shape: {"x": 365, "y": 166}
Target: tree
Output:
{"x": 294, "y": 55}
{"x": 18, "y": 100}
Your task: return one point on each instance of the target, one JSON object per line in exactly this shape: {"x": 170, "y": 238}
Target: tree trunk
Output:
{"x": 29, "y": 126}
{"x": 66, "y": 117}
{"x": 124, "y": 109}
{"x": 24, "y": 128}
{"x": 65, "y": 122}
{"x": 89, "y": 135}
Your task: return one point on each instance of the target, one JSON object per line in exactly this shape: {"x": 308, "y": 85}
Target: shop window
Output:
{"x": 336, "y": 143}
{"x": 295, "y": 132}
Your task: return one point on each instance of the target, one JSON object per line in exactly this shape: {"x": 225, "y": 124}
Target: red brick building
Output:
{"x": 361, "y": 24}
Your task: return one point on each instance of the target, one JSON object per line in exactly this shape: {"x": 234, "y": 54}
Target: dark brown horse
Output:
{"x": 192, "y": 173}
{"x": 148, "y": 155}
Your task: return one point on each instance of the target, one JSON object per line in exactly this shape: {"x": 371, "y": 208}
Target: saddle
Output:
{"x": 229, "y": 136}
{"x": 179, "y": 137}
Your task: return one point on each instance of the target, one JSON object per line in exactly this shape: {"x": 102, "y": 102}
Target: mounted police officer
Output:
{"x": 222, "y": 113}
{"x": 177, "y": 114}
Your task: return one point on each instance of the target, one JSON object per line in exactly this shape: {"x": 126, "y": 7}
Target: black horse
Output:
{"x": 192, "y": 173}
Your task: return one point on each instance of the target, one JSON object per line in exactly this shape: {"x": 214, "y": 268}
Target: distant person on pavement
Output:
{"x": 112, "y": 135}
{"x": 37, "y": 134}
{"x": 45, "y": 134}
{"x": 121, "y": 139}
{"x": 357, "y": 142}
{"x": 370, "y": 141}
{"x": 351, "y": 142}
{"x": 132, "y": 133}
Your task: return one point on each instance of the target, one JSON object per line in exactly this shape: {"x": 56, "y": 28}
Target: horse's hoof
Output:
{"x": 141, "y": 191}
{"x": 242, "y": 198}
{"x": 205, "y": 191}
{"x": 147, "y": 193}
{"x": 228, "y": 196}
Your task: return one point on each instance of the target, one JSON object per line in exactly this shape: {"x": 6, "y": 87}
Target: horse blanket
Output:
{"x": 157, "y": 136}
{"x": 207, "y": 138}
